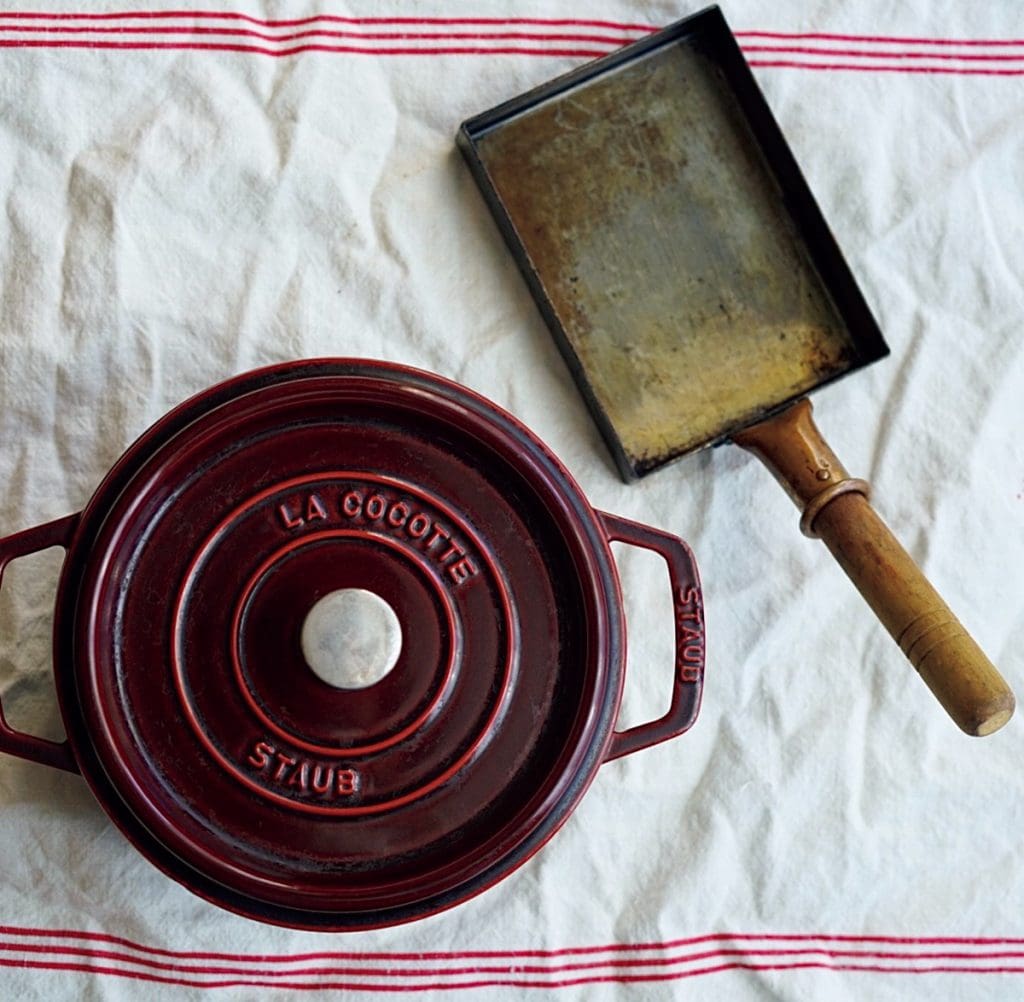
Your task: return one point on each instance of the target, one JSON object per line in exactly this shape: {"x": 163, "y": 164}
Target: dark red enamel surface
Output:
{"x": 195, "y": 716}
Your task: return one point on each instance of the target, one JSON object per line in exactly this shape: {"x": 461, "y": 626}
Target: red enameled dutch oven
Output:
{"x": 185, "y": 629}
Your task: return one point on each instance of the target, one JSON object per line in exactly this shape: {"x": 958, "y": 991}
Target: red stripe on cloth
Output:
{"x": 736, "y": 937}
{"x": 514, "y": 968}
{"x": 423, "y": 976}
{"x": 324, "y": 33}
{"x": 880, "y": 39}
{"x": 517, "y": 982}
{"x": 496, "y": 21}
{"x": 486, "y": 36}
{"x": 917, "y": 62}
{"x": 872, "y": 68}
{"x": 453, "y": 50}
{"x": 334, "y": 18}
{"x": 868, "y": 54}
{"x": 456, "y": 50}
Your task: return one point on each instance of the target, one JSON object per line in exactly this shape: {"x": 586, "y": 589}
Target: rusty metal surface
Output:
{"x": 667, "y": 256}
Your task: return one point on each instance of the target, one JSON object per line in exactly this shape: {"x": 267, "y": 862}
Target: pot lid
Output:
{"x": 346, "y": 643}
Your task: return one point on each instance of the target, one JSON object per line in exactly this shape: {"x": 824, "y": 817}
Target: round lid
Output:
{"x": 346, "y": 644}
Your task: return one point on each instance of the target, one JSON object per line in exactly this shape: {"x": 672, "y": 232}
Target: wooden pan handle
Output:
{"x": 836, "y": 509}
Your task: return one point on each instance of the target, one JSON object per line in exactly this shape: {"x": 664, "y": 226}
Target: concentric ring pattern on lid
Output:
{"x": 234, "y": 764}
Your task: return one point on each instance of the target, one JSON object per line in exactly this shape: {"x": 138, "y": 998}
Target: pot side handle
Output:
{"x": 688, "y": 613}
{"x": 53, "y": 753}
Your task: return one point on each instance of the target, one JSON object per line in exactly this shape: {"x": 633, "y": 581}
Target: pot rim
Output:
{"x": 607, "y": 654}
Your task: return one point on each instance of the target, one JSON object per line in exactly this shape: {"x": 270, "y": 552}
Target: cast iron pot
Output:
{"x": 181, "y": 624}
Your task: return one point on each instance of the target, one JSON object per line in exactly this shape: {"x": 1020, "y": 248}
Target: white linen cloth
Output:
{"x": 188, "y": 197}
